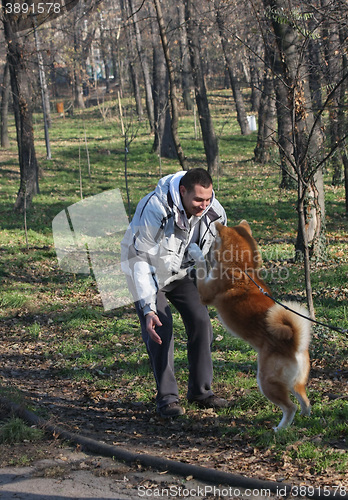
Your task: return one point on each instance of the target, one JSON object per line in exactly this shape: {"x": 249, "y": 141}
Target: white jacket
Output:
{"x": 154, "y": 248}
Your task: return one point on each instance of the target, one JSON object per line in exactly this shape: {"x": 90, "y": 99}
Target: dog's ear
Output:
{"x": 244, "y": 224}
{"x": 219, "y": 226}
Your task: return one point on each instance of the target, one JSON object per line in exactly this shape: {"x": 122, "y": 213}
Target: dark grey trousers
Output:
{"x": 183, "y": 294}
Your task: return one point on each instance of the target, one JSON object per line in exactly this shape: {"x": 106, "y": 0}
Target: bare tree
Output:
{"x": 172, "y": 85}
{"x": 186, "y": 77}
{"x": 308, "y": 156}
{"x": 104, "y": 50}
{"x": 133, "y": 69}
{"x": 144, "y": 65}
{"x": 77, "y": 59}
{"x": 210, "y": 141}
{"x": 163, "y": 141}
{"x": 22, "y": 103}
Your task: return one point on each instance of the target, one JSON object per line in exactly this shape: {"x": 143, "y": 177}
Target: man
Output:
{"x": 155, "y": 258}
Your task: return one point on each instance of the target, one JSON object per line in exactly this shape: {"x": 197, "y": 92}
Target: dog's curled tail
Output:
{"x": 285, "y": 324}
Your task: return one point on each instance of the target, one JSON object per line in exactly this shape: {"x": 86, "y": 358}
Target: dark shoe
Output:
{"x": 211, "y": 402}
{"x": 171, "y": 410}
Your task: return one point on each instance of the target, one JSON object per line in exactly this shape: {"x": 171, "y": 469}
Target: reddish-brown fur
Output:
{"x": 280, "y": 337}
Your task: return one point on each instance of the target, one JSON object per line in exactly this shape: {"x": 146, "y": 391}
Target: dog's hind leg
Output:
{"x": 278, "y": 393}
{"x": 299, "y": 391}
{"x": 299, "y": 388}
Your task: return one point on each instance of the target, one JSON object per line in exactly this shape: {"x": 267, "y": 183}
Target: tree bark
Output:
{"x": 285, "y": 139}
{"x": 163, "y": 141}
{"x": 5, "y": 97}
{"x": 186, "y": 80}
{"x": 172, "y": 85}
{"x": 255, "y": 81}
{"x": 43, "y": 82}
{"x": 17, "y": 57}
{"x": 78, "y": 90}
{"x": 315, "y": 73}
{"x": 208, "y": 133}
{"x": 266, "y": 126}
{"x": 284, "y": 118}
{"x": 342, "y": 112}
{"x": 160, "y": 94}
{"x": 104, "y": 51}
{"x": 133, "y": 70}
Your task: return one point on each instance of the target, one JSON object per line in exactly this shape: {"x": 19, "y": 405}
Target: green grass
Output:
{"x": 62, "y": 314}
{"x": 16, "y": 431}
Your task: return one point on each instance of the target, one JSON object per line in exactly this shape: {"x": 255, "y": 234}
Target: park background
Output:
{"x": 118, "y": 94}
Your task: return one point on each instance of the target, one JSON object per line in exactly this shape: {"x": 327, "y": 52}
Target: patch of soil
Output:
{"x": 200, "y": 437}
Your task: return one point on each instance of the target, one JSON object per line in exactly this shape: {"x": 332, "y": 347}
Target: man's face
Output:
{"x": 197, "y": 200}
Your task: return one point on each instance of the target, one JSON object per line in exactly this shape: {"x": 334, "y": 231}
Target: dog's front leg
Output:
{"x": 204, "y": 279}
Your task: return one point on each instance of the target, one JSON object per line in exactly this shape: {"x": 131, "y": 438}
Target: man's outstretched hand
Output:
{"x": 152, "y": 320}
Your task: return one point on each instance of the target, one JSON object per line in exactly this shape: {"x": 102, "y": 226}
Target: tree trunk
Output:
{"x": 113, "y": 53}
{"x": 285, "y": 139}
{"x": 5, "y": 97}
{"x": 46, "y": 105}
{"x": 284, "y": 119}
{"x": 186, "y": 80}
{"x": 136, "y": 87}
{"x": 255, "y": 82}
{"x": 266, "y": 126}
{"x": 342, "y": 113}
{"x": 172, "y": 84}
{"x": 22, "y": 103}
{"x": 46, "y": 109}
{"x": 144, "y": 67}
{"x": 104, "y": 52}
{"x": 345, "y": 163}
{"x": 167, "y": 143}
{"x": 133, "y": 70}
{"x": 160, "y": 94}
{"x": 315, "y": 74}
{"x": 163, "y": 141}
{"x": 78, "y": 90}
{"x": 208, "y": 134}
{"x": 237, "y": 94}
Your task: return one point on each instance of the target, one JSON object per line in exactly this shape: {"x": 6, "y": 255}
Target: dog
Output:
{"x": 280, "y": 337}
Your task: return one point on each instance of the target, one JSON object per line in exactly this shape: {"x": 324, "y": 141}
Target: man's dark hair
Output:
{"x": 196, "y": 176}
